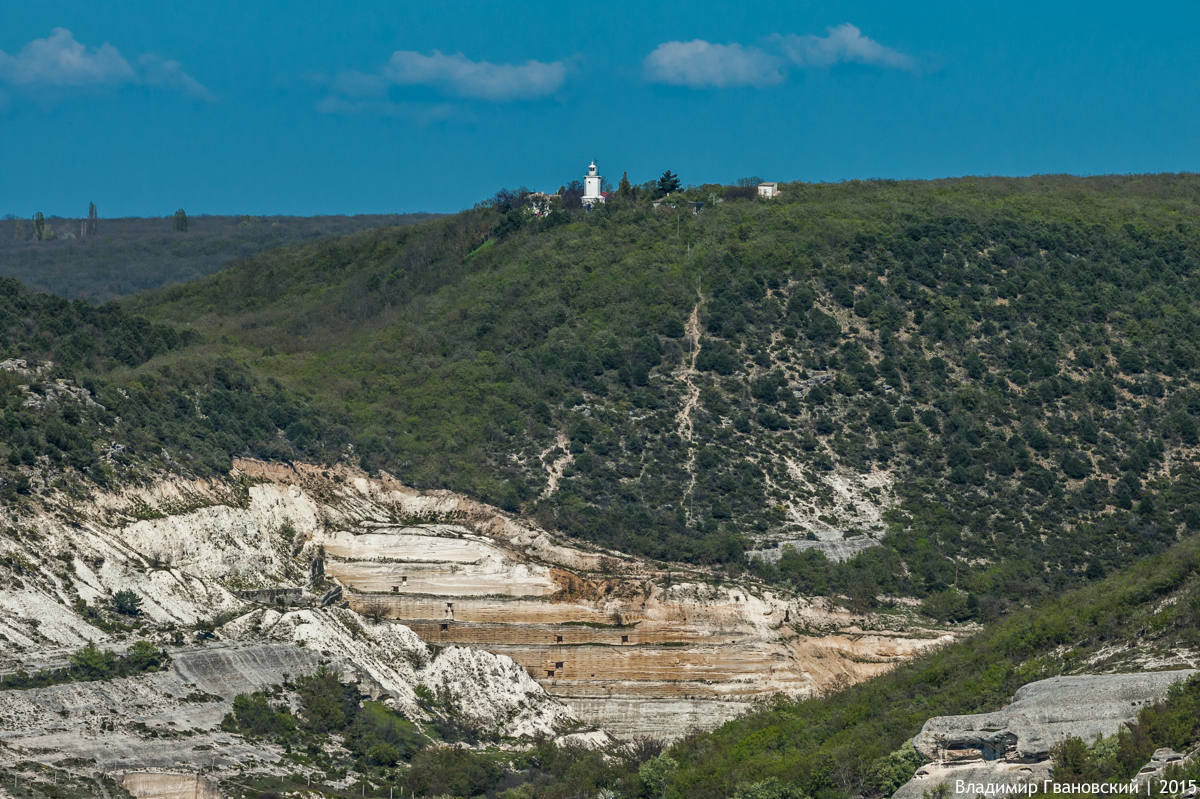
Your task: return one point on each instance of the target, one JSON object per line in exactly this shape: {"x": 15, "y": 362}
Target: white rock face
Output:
{"x": 1012, "y": 746}
{"x": 842, "y": 514}
{"x": 162, "y": 720}
{"x": 385, "y": 656}
{"x": 168, "y": 785}
{"x": 592, "y": 634}
{"x": 190, "y": 551}
{"x": 493, "y": 692}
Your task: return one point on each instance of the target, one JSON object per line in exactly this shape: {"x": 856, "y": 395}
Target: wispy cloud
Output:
{"x": 455, "y": 77}
{"x": 357, "y": 84}
{"x": 843, "y": 43}
{"x": 701, "y": 64}
{"x": 60, "y": 62}
{"x": 483, "y": 80}
{"x": 382, "y": 107}
{"x": 169, "y": 74}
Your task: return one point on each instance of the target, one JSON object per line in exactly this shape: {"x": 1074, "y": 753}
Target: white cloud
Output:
{"x": 842, "y": 43}
{"x": 358, "y": 84}
{"x": 61, "y": 62}
{"x": 702, "y": 64}
{"x": 483, "y": 80}
{"x": 455, "y": 76}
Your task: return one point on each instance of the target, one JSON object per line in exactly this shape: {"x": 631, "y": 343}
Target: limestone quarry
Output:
{"x": 278, "y": 570}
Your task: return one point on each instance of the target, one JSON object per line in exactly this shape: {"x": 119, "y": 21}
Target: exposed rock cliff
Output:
{"x": 1012, "y": 746}
{"x": 633, "y": 647}
{"x": 574, "y": 636}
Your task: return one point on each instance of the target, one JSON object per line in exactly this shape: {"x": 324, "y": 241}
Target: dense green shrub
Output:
{"x": 127, "y": 603}
{"x": 90, "y": 662}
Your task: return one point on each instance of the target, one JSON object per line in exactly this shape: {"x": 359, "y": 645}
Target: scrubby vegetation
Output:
{"x": 853, "y": 742}
{"x": 1173, "y": 723}
{"x": 330, "y": 730}
{"x": 70, "y": 404}
{"x": 29, "y": 779}
{"x": 92, "y": 663}
{"x": 373, "y": 734}
{"x": 1016, "y": 357}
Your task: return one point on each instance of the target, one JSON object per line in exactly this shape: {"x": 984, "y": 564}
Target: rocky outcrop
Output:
{"x": 835, "y": 547}
{"x": 171, "y": 719}
{"x": 840, "y": 515}
{"x": 635, "y": 648}
{"x": 165, "y": 719}
{"x": 373, "y": 574}
{"x": 493, "y": 692}
{"x": 169, "y": 785}
{"x": 1163, "y": 759}
{"x": 1012, "y": 746}
{"x": 489, "y": 692}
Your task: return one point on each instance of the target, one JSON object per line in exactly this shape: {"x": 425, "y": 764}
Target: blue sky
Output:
{"x": 307, "y": 107}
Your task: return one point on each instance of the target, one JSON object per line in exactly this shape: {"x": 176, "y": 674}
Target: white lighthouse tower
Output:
{"x": 591, "y": 187}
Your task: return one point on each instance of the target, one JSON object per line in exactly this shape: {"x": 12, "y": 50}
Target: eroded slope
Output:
{"x": 616, "y": 642}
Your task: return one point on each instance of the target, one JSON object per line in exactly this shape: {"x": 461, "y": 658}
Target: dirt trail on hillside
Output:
{"x": 692, "y": 398}
{"x": 556, "y": 468}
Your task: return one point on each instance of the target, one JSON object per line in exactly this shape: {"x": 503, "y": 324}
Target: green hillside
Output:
{"x": 1018, "y": 357}
{"x": 78, "y": 406}
{"x": 1014, "y": 360}
{"x": 852, "y": 742}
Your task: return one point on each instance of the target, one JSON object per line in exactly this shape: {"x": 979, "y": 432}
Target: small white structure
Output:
{"x": 768, "y": 190}
{"x": 591, "y": 187}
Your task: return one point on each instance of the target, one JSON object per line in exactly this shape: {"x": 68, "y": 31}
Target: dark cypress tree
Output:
{"x": 624, "y": 188}
{"x": 668, "y": 183}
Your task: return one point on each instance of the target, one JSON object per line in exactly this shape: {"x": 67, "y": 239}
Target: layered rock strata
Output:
{"x": 600, "y": 638}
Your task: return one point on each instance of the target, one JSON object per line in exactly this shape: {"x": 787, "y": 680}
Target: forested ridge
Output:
{"x": 1017, "y": 356}
{"x": 77, "y": 405}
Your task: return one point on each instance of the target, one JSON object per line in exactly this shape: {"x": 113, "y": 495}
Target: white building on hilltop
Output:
{"x": 591, "y": 187}
{"x": 768, "y": 190}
